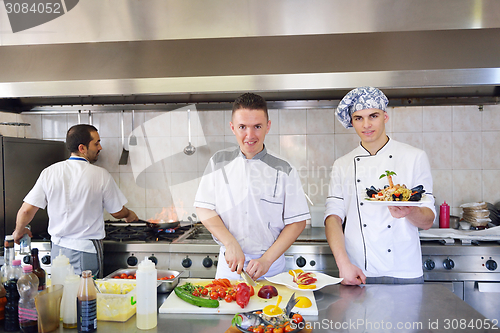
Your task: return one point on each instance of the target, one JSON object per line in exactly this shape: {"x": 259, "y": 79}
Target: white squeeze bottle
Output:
{"x": 59, "y": 269}
{"x": 146, "y": 313}
{"x": 68, "y": 302}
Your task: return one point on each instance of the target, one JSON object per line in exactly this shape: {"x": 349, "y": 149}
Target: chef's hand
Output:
{"x": 352, "y": 275}
{"x": 19, "y": 233}
{"x": 258, "y": 267}
{"x": 131, "y": 217}
{"x": 235, "y": 257}
{"x": 401, "y": 211}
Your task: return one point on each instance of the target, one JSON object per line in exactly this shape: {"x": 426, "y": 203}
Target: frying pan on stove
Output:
{"x": 161, "y": 225}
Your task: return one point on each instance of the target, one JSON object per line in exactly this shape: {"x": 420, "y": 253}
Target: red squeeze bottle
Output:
{"x": 444, "y": 215}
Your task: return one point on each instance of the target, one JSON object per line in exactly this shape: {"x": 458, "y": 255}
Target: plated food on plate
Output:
{"x": 271, "y": 319}
{"x": 394, "y": 192}
{"x": 287, "y": 279}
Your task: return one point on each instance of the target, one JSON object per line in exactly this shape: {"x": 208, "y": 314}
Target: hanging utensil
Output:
{"x": 133, "y": 139}
{"x": 190, "y": 149}
{"x": 124, "y": 155}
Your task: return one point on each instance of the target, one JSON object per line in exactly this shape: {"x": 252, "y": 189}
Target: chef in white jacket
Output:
{"x": 380, "y": 243}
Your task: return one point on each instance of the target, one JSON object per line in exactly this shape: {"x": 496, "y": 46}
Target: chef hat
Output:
{"x": 360, "y": 99}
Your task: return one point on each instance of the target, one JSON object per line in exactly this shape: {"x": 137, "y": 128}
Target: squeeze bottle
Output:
{"x": 59, "y": 269}
{"x": 146, "y": 278}
{"x": 68, "y": 303}
{"x": 444, "y": 215}
{"x": 27, "y": 286}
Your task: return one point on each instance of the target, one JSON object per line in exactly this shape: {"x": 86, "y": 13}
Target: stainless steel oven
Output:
{"x": 470, "y": 268}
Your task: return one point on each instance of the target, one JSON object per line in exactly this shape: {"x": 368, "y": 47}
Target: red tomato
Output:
{"x": 222, "y": 293}
{"x": 204, "y": 291}
{"x": 228, "y": 298}
{"x": 278, "y": 330}
{"x": 123, "y": 276}
{"x": 258, "y": 329}
{"x": 288, "y": 328}
{"x": 297, "y": 318}
{"x": 116, "y": 277}
{"x": 214, "y": 295}
{"x": 196, "y": 293}
{"x": 130, "y": 277}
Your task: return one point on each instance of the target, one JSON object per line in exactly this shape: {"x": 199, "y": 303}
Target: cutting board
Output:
{"x": 174, "y": 304}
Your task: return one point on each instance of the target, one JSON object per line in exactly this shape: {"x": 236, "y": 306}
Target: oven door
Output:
{"x": 484, "y": 296}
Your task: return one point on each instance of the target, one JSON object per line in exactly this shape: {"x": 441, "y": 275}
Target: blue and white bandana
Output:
{"x": 360, "y": 99}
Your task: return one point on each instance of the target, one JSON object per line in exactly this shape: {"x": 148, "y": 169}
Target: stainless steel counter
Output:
{"x": 374, "y": 308}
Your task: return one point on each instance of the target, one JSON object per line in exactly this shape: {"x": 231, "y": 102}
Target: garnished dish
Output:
{"x": 287, "y": 279}
{"x": 394, "y": 192}
{"x": 270, "y": 319}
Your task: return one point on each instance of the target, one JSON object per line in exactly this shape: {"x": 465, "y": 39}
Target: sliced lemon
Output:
{"x": 307, "y": 286}
{"x": 303, "y": 302}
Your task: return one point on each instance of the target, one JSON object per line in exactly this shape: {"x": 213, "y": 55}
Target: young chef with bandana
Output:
{"x": 380, "y": 244}
{"x": 75, "y": 193}
{"x": 251, "y": 200}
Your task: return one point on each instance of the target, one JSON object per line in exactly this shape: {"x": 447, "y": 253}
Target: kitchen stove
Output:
{"x": 186, "y": 248}
{"x": 193, "y": 250}
{"x": 43, "y": 247}
{"x": 469, "y": 267}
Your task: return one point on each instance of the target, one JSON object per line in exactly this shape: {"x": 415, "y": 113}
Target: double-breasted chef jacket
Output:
{"x": 375, "y": 241}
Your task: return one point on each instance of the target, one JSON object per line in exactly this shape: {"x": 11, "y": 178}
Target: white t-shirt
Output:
{"x": 375, "y": 241}
{"x": 255, "y": 198}
{"x": 75, "y": 193}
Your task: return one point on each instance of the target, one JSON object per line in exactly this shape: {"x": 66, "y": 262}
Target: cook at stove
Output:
{"x": 251, "y": 200}
{"x": 75, "y": 193}
{"x": 380, "y": 244}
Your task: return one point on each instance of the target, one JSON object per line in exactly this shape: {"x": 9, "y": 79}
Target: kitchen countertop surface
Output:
{"x": 372, "y": 308}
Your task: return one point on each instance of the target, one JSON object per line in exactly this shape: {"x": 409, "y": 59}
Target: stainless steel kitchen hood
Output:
{"x": 418, "y": 52}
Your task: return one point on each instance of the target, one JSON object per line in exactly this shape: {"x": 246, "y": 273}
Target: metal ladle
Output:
{"x": 190, "y": 149}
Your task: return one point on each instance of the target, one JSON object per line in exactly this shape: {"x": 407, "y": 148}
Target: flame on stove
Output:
{"x": 166, "y": 215}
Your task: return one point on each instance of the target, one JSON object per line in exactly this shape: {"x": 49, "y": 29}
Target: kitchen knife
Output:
{"x": 247, "y": 278}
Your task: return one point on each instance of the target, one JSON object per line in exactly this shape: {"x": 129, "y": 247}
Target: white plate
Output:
{"x": 425, "y": 199}
{"x": 287, "y": 280}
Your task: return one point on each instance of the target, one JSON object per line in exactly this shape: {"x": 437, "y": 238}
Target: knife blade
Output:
{"x": 247, "y": 278}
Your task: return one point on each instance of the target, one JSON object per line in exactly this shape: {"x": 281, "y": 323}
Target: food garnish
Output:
{"x": 302, "y": 278}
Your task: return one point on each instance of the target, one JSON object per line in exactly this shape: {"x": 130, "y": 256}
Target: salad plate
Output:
{"x": 287, "y": 280}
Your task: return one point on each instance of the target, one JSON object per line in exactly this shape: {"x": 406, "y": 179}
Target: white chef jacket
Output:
{"x": 75, "y": 193}
{"x": 375, "y": 241}
{"x": 255, "y": 198}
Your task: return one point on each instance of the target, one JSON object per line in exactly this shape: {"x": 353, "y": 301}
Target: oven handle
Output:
{"x": 488, "y": 287}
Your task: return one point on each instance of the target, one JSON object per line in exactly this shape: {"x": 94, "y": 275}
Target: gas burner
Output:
{"x": 128, "y": 233}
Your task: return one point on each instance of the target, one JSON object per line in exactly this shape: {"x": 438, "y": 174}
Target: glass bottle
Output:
{"x": 9, "y": 255}
{"x": 38, "y": 270}
{"x": 3, "y": 301}
{"x": 87, "y": 304}
{"x": 10, "y": 275}
{"x": 27, "y": 286}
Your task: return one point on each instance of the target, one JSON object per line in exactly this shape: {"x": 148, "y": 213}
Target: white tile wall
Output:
{"x": 462, "y": 144}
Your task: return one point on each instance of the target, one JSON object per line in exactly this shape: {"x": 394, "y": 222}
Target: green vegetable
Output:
{"x": 184, "y": 292}
{"x": 389, "y": 175}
